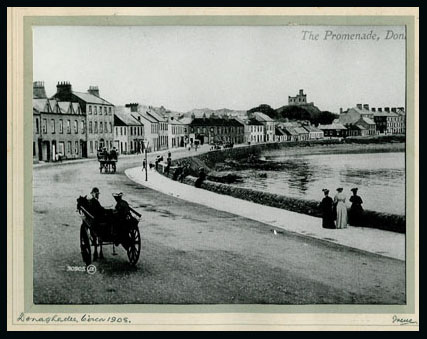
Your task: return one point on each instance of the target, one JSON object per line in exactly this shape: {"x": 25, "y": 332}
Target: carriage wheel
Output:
{"x": 85, "y": 245}
{"x": 100, "y": 168}
{"x": 134, "y": 248}
{"x": 114, "y": 168}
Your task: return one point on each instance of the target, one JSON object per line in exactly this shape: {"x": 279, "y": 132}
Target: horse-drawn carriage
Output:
{"x": 107, "y": 161}
{"x": 108, "y": 229}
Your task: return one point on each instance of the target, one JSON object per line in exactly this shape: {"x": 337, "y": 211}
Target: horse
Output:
{"x": 83, "y": 206}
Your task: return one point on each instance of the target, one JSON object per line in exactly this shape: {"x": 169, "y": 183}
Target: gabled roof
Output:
{"x": 64, "y": 106}
{"x": 290, "y": 131}
{"x": 367, "y": 120}
{"x": 301, "y": 130}
{"x": 385, "y": 114}
{"x": 91, "y": 99}
{"x": 40, "y": 105}
{"x": 126, "y": 119}
{"x": 356, "y": 126}
{"x": 279, "y": 131}
{"x": 215, "y": 122}
{"x": 156, "y": 115}
{"x": 362, "y": 111}
{"x": 332, "y": 126}
{"x": 263, "y": 117}
{"x": 311, "y": 128}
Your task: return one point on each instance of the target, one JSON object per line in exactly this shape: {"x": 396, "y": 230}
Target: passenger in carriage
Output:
{"x": 122, "y": 217}
{"x": 104, "y": 153}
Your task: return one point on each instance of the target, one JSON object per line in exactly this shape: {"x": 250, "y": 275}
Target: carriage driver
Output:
{"x": 96, "y": 207}
{"x": 121, "y": 213}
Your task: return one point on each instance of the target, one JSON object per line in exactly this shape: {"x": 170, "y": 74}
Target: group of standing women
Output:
{"x": 334, "y": 211}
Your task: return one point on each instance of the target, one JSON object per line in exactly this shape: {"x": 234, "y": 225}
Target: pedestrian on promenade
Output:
{"x": 201, "y": 178}
{"x": 144, "y": 165}
{"x": 341, "y": 209}
{"x": 168, "y": 165}
{"x": 356, "y": 209}
{"x": 327, "y": 205}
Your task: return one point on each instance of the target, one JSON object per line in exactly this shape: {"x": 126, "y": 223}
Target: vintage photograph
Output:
{"x": 219, "y": 165}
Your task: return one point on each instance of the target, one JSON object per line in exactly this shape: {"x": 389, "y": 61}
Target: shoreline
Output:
{"x": 352, "y": 148}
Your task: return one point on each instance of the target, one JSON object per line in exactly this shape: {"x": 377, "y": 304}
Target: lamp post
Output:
{"x": 146, "y": 142}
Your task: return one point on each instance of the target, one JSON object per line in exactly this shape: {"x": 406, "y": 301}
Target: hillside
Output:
{"x": 301, "y": 112}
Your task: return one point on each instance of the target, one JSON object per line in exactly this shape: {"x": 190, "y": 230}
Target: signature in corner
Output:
{"x": 403, "y": 321}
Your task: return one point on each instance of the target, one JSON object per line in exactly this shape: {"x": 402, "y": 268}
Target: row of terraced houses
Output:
{"x": 71, "y": 125}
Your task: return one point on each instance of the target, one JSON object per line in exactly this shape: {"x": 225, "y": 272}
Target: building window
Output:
{"x": 94, "y": 110}
{"x": 96, "y": 145}
{"x": 68, "y": 126}
{"x": 44, "y": 126}
{"x": 69, "y": 147}
{"x": 76, "y": 126}
{"x": 101, "y": 127}
{"x": 61, "y": 126}
{"x": 61, "y": 148}
{"x": 37, "y": 126}
{"x": 121, "y": 130}
{"x": 91, "y": 146}
{"x": 96, "y": 128}
{"x": 90, "y": 127}
{"x": 109, "y": 110}
{"x": 52, "y": 125}
{"x": 124, "y": 130}
{"x": 82, "y": 125}
{"x": 105, "y": 110}
{"x": 100, "y": 110}
{"x": 76, "y": 147}
{"x": 111, "y": 128}
{"x": 90, "y": 109}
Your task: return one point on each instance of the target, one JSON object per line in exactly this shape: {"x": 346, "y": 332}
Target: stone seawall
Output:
{"x": 371, "y": 219}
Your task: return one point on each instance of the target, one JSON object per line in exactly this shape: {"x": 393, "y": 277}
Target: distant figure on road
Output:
{"x": 168, "y": 165}
{"x": 341, "y": 208}
{"x": 144, "y": 165}
{"x": 327, "y": 205}
{"x": 356, "y": 209}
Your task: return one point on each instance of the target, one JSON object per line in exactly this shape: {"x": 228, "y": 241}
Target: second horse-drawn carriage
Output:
{"x": 108, "y": 229}
{"x": 107, "y": 161}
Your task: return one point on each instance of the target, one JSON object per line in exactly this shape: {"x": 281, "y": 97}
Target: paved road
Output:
{"x": 192, "y": 254}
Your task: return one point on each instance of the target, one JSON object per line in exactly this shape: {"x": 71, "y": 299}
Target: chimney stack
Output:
{"x": 94, "y": 90}
{"x": 387, "y": 109}
{"x": 38, "y": 90}
{"x": 63, "y": 91}
{"x": 133, "y": 106}
{"x": 366, "y": 106}
{"x": 359, "y": 106}
{"x": 341, "y": 110}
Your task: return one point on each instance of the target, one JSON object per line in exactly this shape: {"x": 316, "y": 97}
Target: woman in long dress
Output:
{"x": 341, "y": 209}
{"x": 327, "y": 210}
{"x": 356, "y": 209}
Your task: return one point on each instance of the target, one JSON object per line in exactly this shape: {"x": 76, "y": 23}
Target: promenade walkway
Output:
{"x": 380, "y": 242}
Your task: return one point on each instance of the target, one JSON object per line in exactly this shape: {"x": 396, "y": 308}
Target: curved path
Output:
{"x": 192, "y": 254}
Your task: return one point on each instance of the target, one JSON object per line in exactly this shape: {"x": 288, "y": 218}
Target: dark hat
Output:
{"x": 339, "y": 189}
{"x": 117, "y": 195}
{"x": 95, "y": 190}
{"x": 325, "y": 190}
{"x": 354, "y": 189}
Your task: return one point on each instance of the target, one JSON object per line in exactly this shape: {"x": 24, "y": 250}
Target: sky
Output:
{"x": 236, "y": 67}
